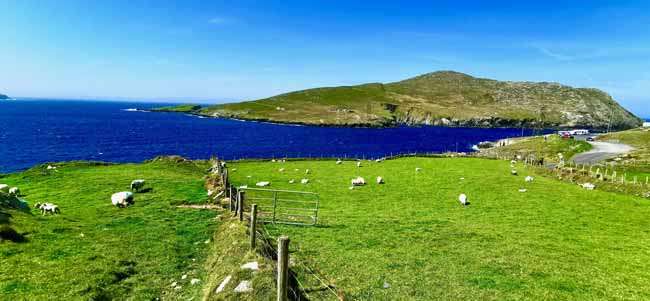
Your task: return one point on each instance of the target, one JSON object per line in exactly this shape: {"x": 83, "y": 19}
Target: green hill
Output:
{"x": 2, "y": 96}
{"x": 439, "y": 98}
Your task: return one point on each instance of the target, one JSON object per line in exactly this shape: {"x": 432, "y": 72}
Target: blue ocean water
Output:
{"x": 38, "y": 131}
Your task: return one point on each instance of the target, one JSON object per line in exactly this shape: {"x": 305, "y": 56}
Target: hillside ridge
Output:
{"x": 444, "y": 98}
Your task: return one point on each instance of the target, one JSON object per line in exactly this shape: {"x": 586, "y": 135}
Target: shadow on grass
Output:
{"x": 146, "y": 190}
{"x": 8, "y": 233}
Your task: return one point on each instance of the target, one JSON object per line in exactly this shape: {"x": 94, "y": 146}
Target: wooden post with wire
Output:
{"x": 253, "y": 225}
{"x": 240, "y": 205}
{"x": 283, "y": 267}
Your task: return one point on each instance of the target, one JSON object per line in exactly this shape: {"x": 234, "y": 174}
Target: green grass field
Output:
{"x": 95, "y": 251}
{"x": 554, "y": 242}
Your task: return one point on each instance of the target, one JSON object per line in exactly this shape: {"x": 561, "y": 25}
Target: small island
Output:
{"x": 4, "y": 97}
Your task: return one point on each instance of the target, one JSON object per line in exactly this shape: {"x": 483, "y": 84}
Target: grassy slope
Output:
{"x": 547, "y": 148}
{"x": 555, "y": 242}
{"x": 640, "y": 139}
{"x": 428, "y": 98}
{"x": 124, "y": 254}
{"x": 231, "y": 251}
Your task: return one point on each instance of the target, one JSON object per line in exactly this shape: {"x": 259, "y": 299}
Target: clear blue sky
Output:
{"x": 215, "y": 51}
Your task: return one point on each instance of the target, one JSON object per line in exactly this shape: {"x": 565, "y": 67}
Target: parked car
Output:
{"x": 590, "y": 139}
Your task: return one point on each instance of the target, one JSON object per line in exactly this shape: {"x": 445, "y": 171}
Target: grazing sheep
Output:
{"x": 339, "y": 162}
{"x": 514, "y": 172}
{"x": 292, "y": 181}
{"x": 513, "y": 162}
{"x": 304, "y": 181}
{"x": 462, "y": 198}
{"x": 14, "y": 191}
{"x": 281, "y": 169}
{"x": 379, "y": 160}
{"x": 523, "y": 190}
{"x": 136, "y": 185}
{"x": 122, "y": 199}
{"x": 263, "y": 184}
{"x": 380, "y": 180}
{"x": 359, "y": 181}
{"x": 529, "y": 179}
{"x": 307, "y": 171}
{"x": 588, "y": 186}
{"x": 234, "y": 169}
{"x": 359, "y": 164}
{"x": 4, "y": 188}
{"x": 48, "y": 208}
{"x": 417, "y": 169}
{"x": 351, "y": 187}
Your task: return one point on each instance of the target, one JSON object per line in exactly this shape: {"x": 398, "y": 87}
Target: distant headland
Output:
{"x": 444, "y": 98}
{"x": 4, "y": 97}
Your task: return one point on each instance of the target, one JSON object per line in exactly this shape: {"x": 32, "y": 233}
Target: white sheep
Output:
{"x": 48, "y": 208}
{"x": 513, "y": 162}
{"x": 514, "y": 172}
{"x": 14, "y": 191}
{"x": 359, "y": 164}
{"x": 462, "y": 198}
{"x": 523, "y": 190}
{"x": 304, "y": 181}
{"x": 136, "y": 185}
{"x": 339, "y": 162}
{"x": 380, "y": 180}
{"x": 281, "y": 169}
{"x": 122, "y": 199}
{"x": 588, "y": 186}
{"x": 292, "y": 181}
{"x": 351, "y": 187}
{"x": 417, "y": 169}
{"x": 263, "y": 184}
{"x": 4, "y": 188}
{"x": 307, "y": 171}
{"x": 359, "y": 181}
{"x": 529, "y": 179}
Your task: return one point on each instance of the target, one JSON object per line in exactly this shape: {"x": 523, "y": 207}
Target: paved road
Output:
{"x": 601, "y": 151}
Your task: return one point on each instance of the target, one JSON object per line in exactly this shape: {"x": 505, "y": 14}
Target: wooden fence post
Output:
{"x": 283, "y": 267}
{"x": 240, "y": 205}
{"x": 253, "y": 225}
{"x": 231, "y": 197}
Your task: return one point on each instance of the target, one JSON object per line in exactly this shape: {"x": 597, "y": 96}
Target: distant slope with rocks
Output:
{"x": 443, "y": 98}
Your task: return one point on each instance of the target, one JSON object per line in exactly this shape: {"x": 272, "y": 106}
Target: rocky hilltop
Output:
{"x": 2, "y": 97}
{"x": 444, "y": 98}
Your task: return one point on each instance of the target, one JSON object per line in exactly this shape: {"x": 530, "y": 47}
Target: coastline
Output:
{"x": 472, "y": 123}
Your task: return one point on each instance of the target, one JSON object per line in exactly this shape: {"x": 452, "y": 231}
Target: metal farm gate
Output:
{"x": 284, "y": 206}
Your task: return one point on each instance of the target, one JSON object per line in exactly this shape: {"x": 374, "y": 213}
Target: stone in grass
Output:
{"x": 223, "y": 284}
{"x": 195, "y": 281}
{"x": 250, "y": 266}
{"x": 244, "y": 287}
{"x": 386, "y": 285}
